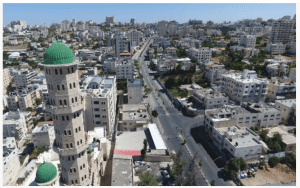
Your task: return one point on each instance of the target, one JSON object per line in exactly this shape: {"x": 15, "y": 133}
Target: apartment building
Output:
{"x": 287, "y": 106}
{"x": 276, "y": 48}
{"x": 292, "y": 45}
{"x": 12, "y": 101}
{"x": 235, "y": 40}
{"x": 201, "y": 54}
{"x": 100, "y": 103}
{"x": 134, "y": 37}
{"x": 135, "y": 91}
{"x": 11, "y": 166}
{"x": 110, "y": 64}
{"x": 214, "y": 73}
{"x": 209, "y": 98}
{"x": 171, "y": 51}
{"x": 23, "y": 77}
{"x": 244, "y": 87}
{"x": 6, "y": 79}
{"x": 14, "y": 125}
{"x": 281, "y": 88}
{"x": 125, "y": 68}
{"x": 236, "y": 141}
{"x": 43, "y": 135}
{"x": 281, "y": 31}
{"x": 277, "y": 69}
{"x": 122, "y": 44}
{"x": 28, "y": 97}
{"x": 133, "y": 117}
{"x": 110, "y": 20}
{"x": 248, "y": 41}
{"x": 292, "y": 75}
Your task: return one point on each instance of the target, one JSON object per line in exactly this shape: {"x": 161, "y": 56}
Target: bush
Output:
{"x": 154, "y": 113}
{"x": 256, "y": 128}
{"x": 213, "y": 183}
{"x": 273, "y": 161}
{"x": 200, "y": 163}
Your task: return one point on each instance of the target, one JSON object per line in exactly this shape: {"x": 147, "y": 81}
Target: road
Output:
{"x": 174, "y": 125}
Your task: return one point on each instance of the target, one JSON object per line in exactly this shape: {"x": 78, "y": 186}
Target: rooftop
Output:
{"x": 286, "y": 137}
{"x": 130, "y": 141}
{"x": 122, "y": 172}
{"x": 288, "y": 102}
{"x": 134, "y": 82}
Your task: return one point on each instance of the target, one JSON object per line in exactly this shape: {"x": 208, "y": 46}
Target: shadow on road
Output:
{"x": 200, "y": 137}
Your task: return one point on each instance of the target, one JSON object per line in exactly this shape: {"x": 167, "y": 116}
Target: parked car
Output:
{"x": 166, "y": 174}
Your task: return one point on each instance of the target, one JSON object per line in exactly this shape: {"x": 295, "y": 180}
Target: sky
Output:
{"x": 47, "y": 13}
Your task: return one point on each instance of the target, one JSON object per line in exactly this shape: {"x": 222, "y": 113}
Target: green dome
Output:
{"x": 58, "y": 54}
{"x": 46, "y": 172}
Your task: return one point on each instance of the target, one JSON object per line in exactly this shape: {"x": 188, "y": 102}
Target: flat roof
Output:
{"x": 130, "y": 141}
{"x": 288, "y": 102}
{"x": 121, "y": 172}
{"x": 156, "y": 136}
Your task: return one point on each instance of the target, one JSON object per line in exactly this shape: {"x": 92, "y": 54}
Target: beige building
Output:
{"x": 11, "y": 166}
{"x": 28, "y": 97}
{"x": 43, "y": 135}
{"x": 288, "y": 139}
{"x": 281, "y": 88}
{"x": 6, "y": 79}
{"x": 14, "y": 125}
{"x": 288, "y": 107}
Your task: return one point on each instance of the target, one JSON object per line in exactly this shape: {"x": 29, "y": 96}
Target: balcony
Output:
{"x": 72, "y": 151}
{"x": 64, "y": 108}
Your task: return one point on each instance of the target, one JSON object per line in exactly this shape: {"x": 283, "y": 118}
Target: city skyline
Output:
{"x": 144, "y": 13}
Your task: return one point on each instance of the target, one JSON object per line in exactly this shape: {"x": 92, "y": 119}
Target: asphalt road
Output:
{"x": 174, "y": 125}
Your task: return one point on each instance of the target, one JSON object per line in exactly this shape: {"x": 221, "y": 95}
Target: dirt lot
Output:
{"x": 279, "y": 174}
{"x": 289, "y": 58}
{"x": 23, "y": 46}
{"x": 217, "y": 59}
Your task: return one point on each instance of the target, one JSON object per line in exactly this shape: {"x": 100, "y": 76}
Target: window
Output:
{"x": 72, "y": 180}
{"x": 80, "y": 167}
{"x": 51, "y": 87}
{"x": 69, "y": 158}
{"x": 65, "y": 132}
{"x": 76, "y": 181}
{"x": 97, "y": 115}
{"x": 83, "y": 165}
{"x": 71, "y": 146}
{"x": 75, "y": 99}
{"x": 65, "y": 101}
{"x": 63, "y": 118}
{"x": 67, "y": 118}
{"x": 69, "y": 132}
{"x": 67, "y": 145}
{"x": 72, "y": 69}
{"x": 96, "y": 102}
{"x": 71, "y": 171}
{"x": 72, "y": 100}
{"x": 98, "y": 122}
{"x": 79, "y": 128}
{"x": 56, "y": 72}
{"x": 74, "y": 170}
{"x": 96, "y": 109}
{"x": 77, "y": 143}
{"x": 63, "y": 87}
{"x": 70, "y": 86}
{"x": 60, "y": 102}
{"x": 74, "y": 116}
{"x": 73, "y": 158}
{"x": 85, "y": 176}
{"x": 76, "y": 130}
{"x": 60, "y": 71}
{"x": 80, "y": 141}
{"x": 74, "y": 85}
{"x": 68, "y": 70}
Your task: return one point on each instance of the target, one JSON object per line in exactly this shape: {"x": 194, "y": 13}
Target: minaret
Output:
{"x": 66, "y": 107}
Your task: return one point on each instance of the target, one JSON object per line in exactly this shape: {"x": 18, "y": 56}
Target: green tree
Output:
{"x": 273, "y": 161}
{"x": 38, "y": 101}
{"x": 213, "y": 183}
{"x": 147, "y": 90}
{"x": 35, "y": 122}
{"x": 147, "y": 179}
{"x": 154, "y": 113}
{"x": 200, "y": 163}
{"x": 29, "y": 109}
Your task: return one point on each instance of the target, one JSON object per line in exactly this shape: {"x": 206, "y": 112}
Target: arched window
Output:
{"x": 72, "y": 69}
{"x": 74, "y": 116}
{"x": 70, "y": 86}
{"x": 72, "y": 180}
{"x": 75, "y": 99}
{"x": 77, "y": 143}
{"x": 76, "y": 181}
{"x": 72, "y": 100}
{"x": 68, "y": 70}
{"x": 60, "y": 71}
{"x": 69, "y": 132}
{"x": 80, "y": 141}
{"x": 63, "y": 87}
{"x": 71, "y": 172}
{"x": 67, "y": 145}
{"x": 71, "y": 146}
{"x": 46, "y": 71}
{"x": 56, "y": 73}
{"x": 65, "y": 132}
{"x": 67, "y": 118}
{"x": 60, "y": 102}
{"x": 50, "y": 71}
{"x": 74, "y": 85}
{"x": 63, "y": 118}
{"x": 74, "y": 169}
{"x": 79, "y": 128}
{"x": 77, "y": 114}
{"x": 58, "y": 88}
{"x": 82, "y": 178}
{"x": 52, "y": 87}
{"x": 49, "y": 86}
{"x": 76, "y": 130}
{"x": 65, "y": 101}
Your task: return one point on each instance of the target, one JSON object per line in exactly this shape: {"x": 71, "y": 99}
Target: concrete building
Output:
{"x": 292, "y": 75}
{"x": 134, "y": 37}
{"x": 237, "y": 142}
{"x": 135, "y": 91}
{"x": 6, "y": 80}
{"x": 9, "y": 142}
{"x": 209, "y": 99}
{"x": 14, "y": 125}
{"x": 281, "y": 31}
{"x": 110, "y": 20}
{"x": 125, "y": 68}
{"x": 244, "y": 87}
{"x": 11, "y": 166}
{"x": 276, "y": 48}
{"x": 133, "y": 117}
{"x": 28, "y": 97}
{"x": 171, "y": 51}
{"x": 214, "y": 72}
{"x": 276, "y": 69}
{"x": 23, "y": 77}
{"x": 132, "y": 21}
{"x": 67, "y": 108}
{"x": 248, "y": 41}
{"x": 281, "y": 88}
{"x": 201, "y": 54}
{"x": 100, "y": 103}
{"x": 287, "y": 106}
{"x": 288, "y": 140}
{"x": 110, "y": 64}
{"x": 43, "y": 135}
{"x": 122, "y": 44}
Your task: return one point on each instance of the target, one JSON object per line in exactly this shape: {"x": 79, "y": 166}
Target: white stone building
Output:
{"x": 43, "y": 135}
{"x": 248, "y": 41}
{"x": 135, "y": 91}
{"x": 23, "y": 77}
{"x": 281, "y": 88}
{"x": 125, "y": 68}
{"x": 14, "y": 125}
{"x": 6, "y": 79}
{"x": 209, "y": 98}
{"x": 201, "y": 54}
{"x": 244, "y": 87}
{"x": 276, "y": 48}
{"x": 287, "y": 106}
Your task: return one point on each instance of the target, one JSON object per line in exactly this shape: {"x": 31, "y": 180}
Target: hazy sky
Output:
{"x": 47, "y": 13}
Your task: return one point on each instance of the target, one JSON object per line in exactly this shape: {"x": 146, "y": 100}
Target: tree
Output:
{"x": 147, "y": 179}
{"x": 213, "y": 183}
{"x": 273, "y": 161}
{"x": 177, "y": 168}
{"x": 29, "y": 109}
{"x": 144, "y": 150}
{"x": 38, "y": 101}
{"x": 147, "y": 90}
{"x": 184, "y": 141}
{"x": 35, "y": 122}
{"x": 154, "y": 113}
{"x": 200, "y": 163}
{"x": 256, "y": 128}
{"x": 233, "y": 166}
